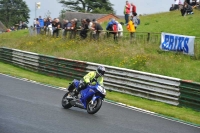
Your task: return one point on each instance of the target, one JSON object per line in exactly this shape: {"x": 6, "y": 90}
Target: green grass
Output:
{"x": 184, "y": 114}
{"x": 138, "y": 55}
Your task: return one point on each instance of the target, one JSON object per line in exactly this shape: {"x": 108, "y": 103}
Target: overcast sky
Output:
{"x": 143, "y": 7}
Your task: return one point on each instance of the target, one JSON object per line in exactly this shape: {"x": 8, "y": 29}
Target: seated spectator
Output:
{"x": 176, "y": 4}
{"x": 171, "y": 8}
{"x": 193, "y": 3}
{"x": 187, "y": 9}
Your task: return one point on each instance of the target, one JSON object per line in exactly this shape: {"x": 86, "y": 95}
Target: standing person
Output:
{"x": 65, "y": 22}
{"x": 85, "y": 29}
{"x": 131, "y": 28}
{"x": 133, "y": 8}
{"x": 127, "y": 11}
{"x": 97, "y": 29}
{"x": 37, "y": 26}
{"x": 135, "y": 20}
{"x": 77, "y": 27}
{"x": 56, "y": 27}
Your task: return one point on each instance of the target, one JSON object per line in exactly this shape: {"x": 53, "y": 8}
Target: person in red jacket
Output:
{"x": 133, "y": 8}
{"x": 127, "y": 11}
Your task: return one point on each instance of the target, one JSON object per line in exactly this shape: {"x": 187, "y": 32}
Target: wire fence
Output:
{"x": 136, "y": 37}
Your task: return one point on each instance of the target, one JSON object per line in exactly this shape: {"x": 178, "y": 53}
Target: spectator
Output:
{"x": 135, "y": 20}
{"x": 77, "y": 26}
{"x": 31, "y": 30}
{"x": 127, "y": 11}
{"x": 24, "y": 25}
{"x": 112, "y": 28}
{"x": 41, "y": 21}
{"x": 20, "y": 25}
{"x": 91, "y": 29}
{"x": 65, "y": 22}
{"x": 37, "y": 26}
{"x": 133, "y": 8}
{"x": 187, "y": 9}
{"x": 120, "y": 29}
{"x": 34, "y": 22}
{"x": 56, "y": 27}
{"x": 131, "y": 28}
{"x": 176, "y": 4}
{"x": 72, "y": 28}
{"x": 45, "y": 26}
{"x": 97, "y": 28}
{"x": 48, "y": 26}
{"x": 84, "y": 31}
{"x": 188, "y": 1}
{"x": 193, "y": 3}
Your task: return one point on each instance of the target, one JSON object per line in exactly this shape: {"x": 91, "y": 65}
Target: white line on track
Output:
{"x": 107, "y": 101}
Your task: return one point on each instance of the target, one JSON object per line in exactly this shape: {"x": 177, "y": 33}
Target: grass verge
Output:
{"x": 184, "y": 114}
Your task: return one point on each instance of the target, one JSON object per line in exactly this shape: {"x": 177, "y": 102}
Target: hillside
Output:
{"x": 138, "y": 55}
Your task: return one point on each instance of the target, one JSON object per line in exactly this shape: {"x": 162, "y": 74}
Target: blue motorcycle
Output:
{"x": 90, "y": 98}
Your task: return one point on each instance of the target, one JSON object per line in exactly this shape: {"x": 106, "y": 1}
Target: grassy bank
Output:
{"x": 158, "y": 107}
{"x": 136, "y": 56}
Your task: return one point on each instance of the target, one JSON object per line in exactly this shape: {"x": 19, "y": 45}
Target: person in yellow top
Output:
{"x": 91, "y": 78}
{"x": 130, "y": 27}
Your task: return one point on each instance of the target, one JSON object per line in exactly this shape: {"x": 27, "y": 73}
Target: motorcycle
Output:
{"x": 90, "y": 98}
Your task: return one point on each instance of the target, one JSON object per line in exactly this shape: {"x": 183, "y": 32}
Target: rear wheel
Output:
{"x": 93, "y": 108}
{"x": 66, "y": 102}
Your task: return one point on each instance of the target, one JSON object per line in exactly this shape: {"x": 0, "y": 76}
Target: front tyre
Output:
{"x": 93, "y": 108}
{"x": 66, "y": 102}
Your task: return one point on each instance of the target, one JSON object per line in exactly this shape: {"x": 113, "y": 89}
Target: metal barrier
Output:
{"x": 190, "y": 94}
{"x": 146, "y": 85}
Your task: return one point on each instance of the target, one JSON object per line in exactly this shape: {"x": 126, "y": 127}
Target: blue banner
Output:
{"x": 178, "y": 43}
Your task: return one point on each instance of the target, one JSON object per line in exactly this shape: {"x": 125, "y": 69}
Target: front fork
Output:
{"x": 71, "y": 87}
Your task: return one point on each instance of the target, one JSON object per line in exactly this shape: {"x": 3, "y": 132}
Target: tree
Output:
{"x": 13, "y": 11}
{"x": 88, "y": 5}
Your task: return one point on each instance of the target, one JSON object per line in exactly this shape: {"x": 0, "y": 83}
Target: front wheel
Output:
{"x": 66, "y": 102}
{"x": 93, "y": 108}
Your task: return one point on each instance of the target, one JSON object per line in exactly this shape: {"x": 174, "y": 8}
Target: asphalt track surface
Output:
{"x": 27, "y": 107}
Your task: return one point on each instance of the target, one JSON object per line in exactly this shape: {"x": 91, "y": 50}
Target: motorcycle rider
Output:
{"x": 91, "y": 79}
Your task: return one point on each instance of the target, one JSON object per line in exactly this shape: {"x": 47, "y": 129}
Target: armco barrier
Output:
{"x": 190, "y": 94}
{"x": 146, "y": 85}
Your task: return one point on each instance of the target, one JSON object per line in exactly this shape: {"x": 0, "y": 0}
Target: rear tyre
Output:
{"x": 66, "y": 102}
{"x": 93, "y": 108}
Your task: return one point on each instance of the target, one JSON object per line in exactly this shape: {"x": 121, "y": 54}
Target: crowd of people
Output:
{"x": 85, "y": 27}
{"x": 186, "y": 7}
{"x": 71, "y": 27}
